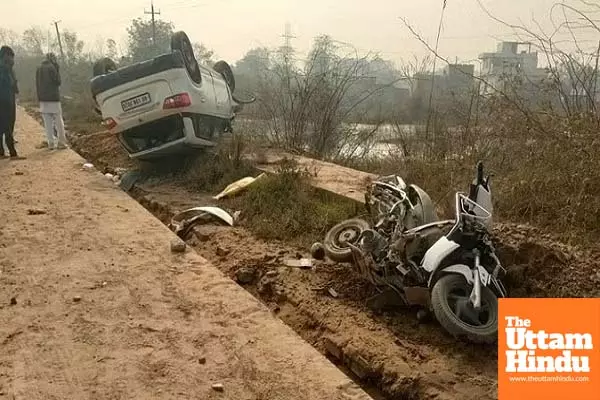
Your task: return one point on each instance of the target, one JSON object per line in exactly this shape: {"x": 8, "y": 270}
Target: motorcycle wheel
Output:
{"x": 181, "y": 42}
{"x": 450, "y": 302}
{"x": 337, "y": 237}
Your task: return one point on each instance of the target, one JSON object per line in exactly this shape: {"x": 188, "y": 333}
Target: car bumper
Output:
{"x": 181, "y": 145}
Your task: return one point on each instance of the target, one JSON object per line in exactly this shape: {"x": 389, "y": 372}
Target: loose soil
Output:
{"x": 95, "y": 304}
{"x": 403, "y": 358}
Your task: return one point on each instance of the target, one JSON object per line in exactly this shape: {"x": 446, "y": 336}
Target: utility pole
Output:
{"x": 62, "y": 53}
{"x": 287, "y": 52}
{"x": 153, "y": 13}
{"x": 287, "y": 46}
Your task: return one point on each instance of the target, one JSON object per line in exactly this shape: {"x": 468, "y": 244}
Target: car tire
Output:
{"x": 226, "y": 72}
{"x": 180, "y": 42}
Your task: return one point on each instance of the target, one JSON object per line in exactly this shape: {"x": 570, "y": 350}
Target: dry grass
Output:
{"x": 285, "y": 206}
{"x": 546, "y": 172}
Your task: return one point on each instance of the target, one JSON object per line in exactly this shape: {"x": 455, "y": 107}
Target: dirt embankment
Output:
{"x": 402, "y": 358}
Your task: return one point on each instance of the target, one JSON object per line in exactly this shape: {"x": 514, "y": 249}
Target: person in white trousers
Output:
{"x": 48, "y": 91}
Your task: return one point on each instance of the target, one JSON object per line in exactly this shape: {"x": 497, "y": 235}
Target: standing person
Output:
{"x": 47, "y": 79}
{"x": 16, "y": 86}
{"x": 8, "y": 105}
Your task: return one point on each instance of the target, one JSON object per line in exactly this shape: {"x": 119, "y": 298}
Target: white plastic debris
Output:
{"x": 238, "y": 186}
{"x": 303, "y": 263}
{"x": 120, "y": 171}
{"x": 88, "y": 166}
{"x": 236, "y": 215}
{"x": 192, "y": 214}
{"x": 115, "y": 178}
{"x": 109, "y": 175}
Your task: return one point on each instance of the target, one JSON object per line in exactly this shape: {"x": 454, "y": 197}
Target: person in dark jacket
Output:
{"x": 8, "y": 104}
{"x": 47, "y": 79}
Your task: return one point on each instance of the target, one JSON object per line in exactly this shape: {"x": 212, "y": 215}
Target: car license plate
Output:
{"x": 138, "y": 101}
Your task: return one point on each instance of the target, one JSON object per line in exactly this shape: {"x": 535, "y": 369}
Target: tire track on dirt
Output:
{"x": 391, "y": 352}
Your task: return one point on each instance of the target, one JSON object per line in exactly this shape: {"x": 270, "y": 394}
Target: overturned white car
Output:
{"x": 166, "y": 105}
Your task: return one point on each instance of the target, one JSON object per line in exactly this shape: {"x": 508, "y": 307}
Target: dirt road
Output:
{"x": 94, "y": 305}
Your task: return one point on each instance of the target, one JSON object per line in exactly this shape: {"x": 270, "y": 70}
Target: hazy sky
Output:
{"x": 231, "y": 27}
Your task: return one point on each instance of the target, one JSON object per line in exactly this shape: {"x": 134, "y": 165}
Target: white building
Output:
{"x": 512, "y": 59}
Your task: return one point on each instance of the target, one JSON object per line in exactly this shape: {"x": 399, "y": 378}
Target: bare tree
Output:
{"x": 309, "y": 107}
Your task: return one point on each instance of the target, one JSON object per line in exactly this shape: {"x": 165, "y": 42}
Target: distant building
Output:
{"x": 454, "y": 80}
{"x": 422, "y": 83}
{"x": 459, "y": 79}
{"x": 512, "y": 60}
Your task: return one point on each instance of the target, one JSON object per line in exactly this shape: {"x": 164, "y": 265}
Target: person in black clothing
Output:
{"x": 8, "y": 105}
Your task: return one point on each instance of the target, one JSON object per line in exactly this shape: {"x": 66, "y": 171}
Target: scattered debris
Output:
{"x": 76, "y": 299}
{"x": 270, "y": 259}
{"x": 317, "y": 251}
{"x": 202, "y": 360}
{"x": 265, "y": 285}
{"x": 36, "y": 211}
{"x": 245, "y": 275}
{"x": 182, "y": 222}
{"x": 236, "y": 215}
{"x": 272, "y": 273}
{"x": 109, "y": 176}
{"x": 280, "y": 296}
{"x": 201, "y": 235}
{"x": 218, "y": 387}
{"x": 19, "y": 173}
{"x": 13, "y": 301}
{"x": 222, "y": 251}
{"x": 120, "y": 171}
{"x": 304, "y": 263}
{"x": 129, "y": 179}
{"x": 88, "y": 166}
{"x": 238, "y": 186}
{"x": 333, "y": 293}
{"x": 178, "y": 246}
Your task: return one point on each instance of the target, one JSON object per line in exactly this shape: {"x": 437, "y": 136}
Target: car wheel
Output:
{"x": 180, "y": 42}
{"x": 225, "y": 70}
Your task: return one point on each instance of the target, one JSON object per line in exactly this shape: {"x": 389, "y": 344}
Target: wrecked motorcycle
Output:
{"x": 448, "y": 267}
{"x": 392, "y": 206}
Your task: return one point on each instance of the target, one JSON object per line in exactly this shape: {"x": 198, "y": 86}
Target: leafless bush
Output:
{"x": 315, "y": 107}
{"x": 539, "y": 137}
